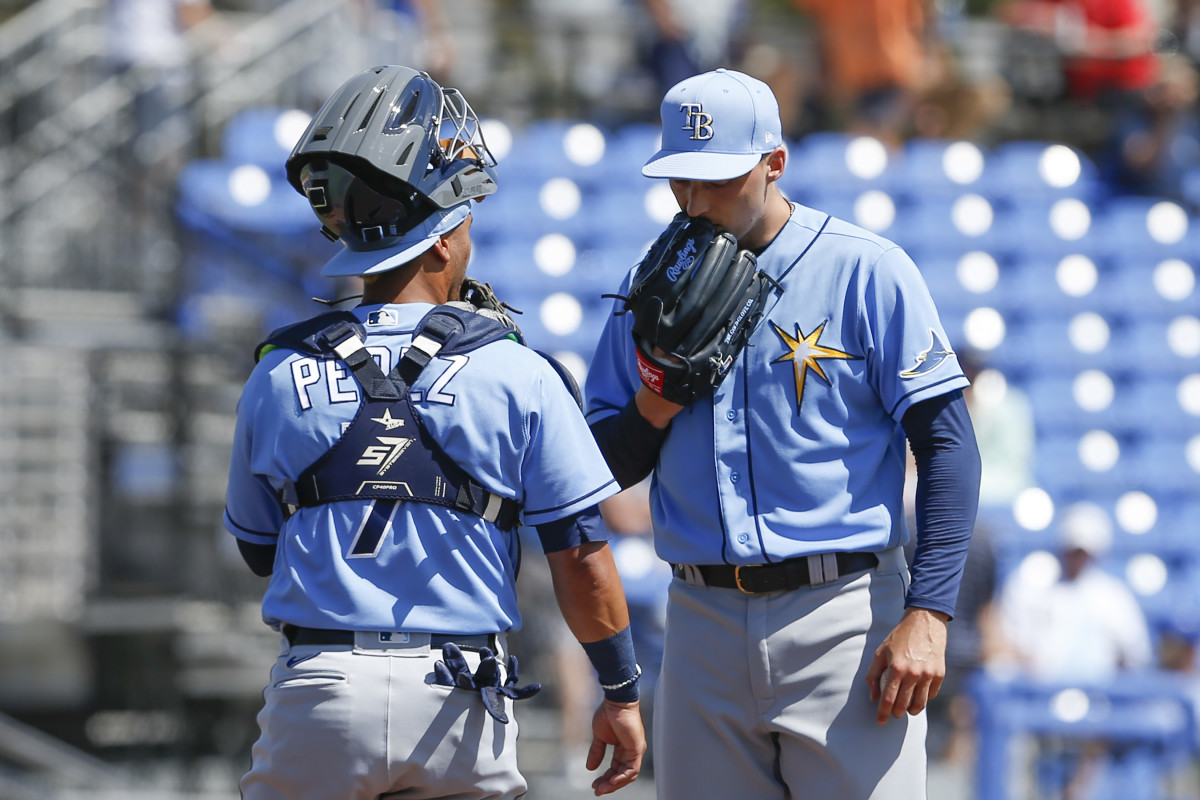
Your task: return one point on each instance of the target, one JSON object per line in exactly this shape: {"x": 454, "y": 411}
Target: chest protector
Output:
{"x": 386, "y": 453}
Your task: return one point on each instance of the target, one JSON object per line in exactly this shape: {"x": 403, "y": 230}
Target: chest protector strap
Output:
{"x": 386, "y": 452}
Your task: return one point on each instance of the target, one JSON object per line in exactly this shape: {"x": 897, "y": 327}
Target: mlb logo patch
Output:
{"x": 382, "y": 317}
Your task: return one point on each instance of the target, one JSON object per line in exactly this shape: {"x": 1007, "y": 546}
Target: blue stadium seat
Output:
{"x": 1055, "y": 407}
{"x": 1058, "y": 468}
{"x": 1142, "y": 286}
{"x": 835, "y": 202}
{"x": 1150, "y": 403}
{"x": 938, "y": 166}
{"x": 580, "y": 340}
{"x": 558, "y": 148}
{"x": 1050, "y": 285}
{"x": 951, "y": 225}
{"x": 513, "y": 265}
{"x": 531, "y": 209}
{"x": 263, "y": 136}
{"x": 1042, "y": 344}
{"x": 1052, "y": 227}
{"x": 242, "y": 197}
{"x": 1143, "y": 725}
{"x": 601, "y": 270}
{"x": 1144, "y": 346}
{"x": 1061, "y": 470}
{"x": 621, "y": 213}
{"x": 1159, "y": 463}
{"x": 253, "y": 250}
{"x": 1021, "y": 170}
{"x": 1176, "y": 524}
{"x": 945, "y": 273}
{"x": 1144, "y": 227}
{"x": 837, "y": 162}
{"x": 537, "y": 152}
{"x": 629, "y": 147}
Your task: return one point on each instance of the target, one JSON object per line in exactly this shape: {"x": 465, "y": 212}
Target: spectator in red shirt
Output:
{"x": 1106, "y": 46}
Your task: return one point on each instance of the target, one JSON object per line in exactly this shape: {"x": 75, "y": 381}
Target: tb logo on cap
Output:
{"x": 696, "y": 121}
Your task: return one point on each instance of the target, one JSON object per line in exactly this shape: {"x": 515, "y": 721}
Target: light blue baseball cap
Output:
{"x": 715, "y": 126}
{"x": 362, "y": 260}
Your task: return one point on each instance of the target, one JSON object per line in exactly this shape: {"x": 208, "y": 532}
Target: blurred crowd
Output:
{"x": 1117, "y": 78}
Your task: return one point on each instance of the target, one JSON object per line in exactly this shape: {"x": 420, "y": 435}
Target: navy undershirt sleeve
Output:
{"x": 629, "y": 443}
{"x": 259, "y": 557}
{"x": 572, "y": 531}
{"x": 947, "y": 457}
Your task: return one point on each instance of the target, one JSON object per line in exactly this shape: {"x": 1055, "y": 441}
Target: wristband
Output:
{"x": 616, "y": 666}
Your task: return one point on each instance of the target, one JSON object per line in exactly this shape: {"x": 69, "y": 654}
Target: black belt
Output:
{"x": 298, "y": 636}
{"x": 784, "y": 576}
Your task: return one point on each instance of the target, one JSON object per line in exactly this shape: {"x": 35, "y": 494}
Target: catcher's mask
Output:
{"x": 389, "y": 154}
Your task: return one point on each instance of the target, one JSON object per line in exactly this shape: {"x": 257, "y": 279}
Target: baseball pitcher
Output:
{"x": 767, "y": 364}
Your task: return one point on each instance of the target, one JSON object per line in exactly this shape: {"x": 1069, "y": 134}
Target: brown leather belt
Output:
{"x": 793, "y": 573}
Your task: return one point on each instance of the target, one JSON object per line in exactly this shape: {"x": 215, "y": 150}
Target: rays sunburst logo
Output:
{"x": 806, "y": 354}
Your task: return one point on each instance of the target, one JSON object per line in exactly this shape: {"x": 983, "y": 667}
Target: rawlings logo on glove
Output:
{"x": 651, "y": 374}
{"x": 686, "y": 256}
{"x": 695, "y": 300}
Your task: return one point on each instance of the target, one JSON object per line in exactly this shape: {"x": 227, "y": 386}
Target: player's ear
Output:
{"x": 776, "y": 162}
{"x": 441, "y": 247}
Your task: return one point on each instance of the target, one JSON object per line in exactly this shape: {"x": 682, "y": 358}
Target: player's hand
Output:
{"x": 909, "y": 666}
{"x": 619, "y": 725}
{"x": 656, "y": 410}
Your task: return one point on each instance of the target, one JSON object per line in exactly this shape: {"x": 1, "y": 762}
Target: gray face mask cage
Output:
{"x": 459, "y": 124}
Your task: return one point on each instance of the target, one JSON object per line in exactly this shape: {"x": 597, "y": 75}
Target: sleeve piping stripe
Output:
{"x": 243, "y": 529}
{"x": 923, "y": 389}
{"x": 581, "y": 498}
{"x": 605, "y": 409}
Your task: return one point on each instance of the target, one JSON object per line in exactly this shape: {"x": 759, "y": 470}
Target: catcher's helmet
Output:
{"x": 389, "y": 149}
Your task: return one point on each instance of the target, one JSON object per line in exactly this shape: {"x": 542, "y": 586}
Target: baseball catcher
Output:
{"x": 386, "y": 458}
{"x": 695, "y": 299}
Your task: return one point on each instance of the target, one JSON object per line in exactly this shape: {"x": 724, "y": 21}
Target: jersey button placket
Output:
{"x": 731, "y": 469}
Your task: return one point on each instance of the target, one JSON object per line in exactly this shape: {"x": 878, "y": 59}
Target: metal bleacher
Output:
{"x": 121, "y": 599}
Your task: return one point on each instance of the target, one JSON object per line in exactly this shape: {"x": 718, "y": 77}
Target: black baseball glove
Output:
{"x": 479, "y": 297}
{"x": 695, "y": 300}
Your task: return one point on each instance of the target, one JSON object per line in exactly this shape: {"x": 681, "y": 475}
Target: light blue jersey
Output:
{"x": 500, "y": 412}
{"x": 809, "y": 453}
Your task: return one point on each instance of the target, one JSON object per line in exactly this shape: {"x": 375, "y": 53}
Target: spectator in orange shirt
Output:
{"x": 874, "y": 61}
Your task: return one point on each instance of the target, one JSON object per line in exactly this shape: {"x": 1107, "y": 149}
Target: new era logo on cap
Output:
{"x": 716, "y": 126}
